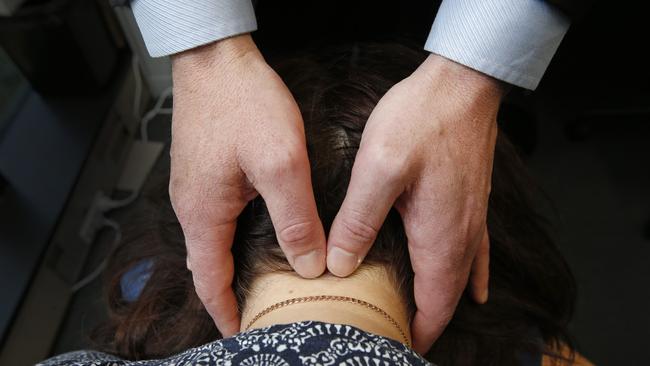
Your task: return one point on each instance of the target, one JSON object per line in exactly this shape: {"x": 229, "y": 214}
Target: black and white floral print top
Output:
{"x": 303, "y": 343}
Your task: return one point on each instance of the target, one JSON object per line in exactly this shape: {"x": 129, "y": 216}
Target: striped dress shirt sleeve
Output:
{"x": 172, "y": 26}
{"x": 511, "y": 40}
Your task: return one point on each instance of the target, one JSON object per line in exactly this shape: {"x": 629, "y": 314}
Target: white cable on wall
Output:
{"x": 153, "y": 112}
{"x": 102, "y": 266}
{"x": 102, "y": 204}
{"x": 137, "y": 96}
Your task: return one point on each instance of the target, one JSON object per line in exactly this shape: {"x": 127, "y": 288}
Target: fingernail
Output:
{"x": 310, "y": 264}
{"x": 341, "y": 262}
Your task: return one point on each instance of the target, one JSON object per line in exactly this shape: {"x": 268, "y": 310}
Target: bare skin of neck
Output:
{"x": 370, "y": 284}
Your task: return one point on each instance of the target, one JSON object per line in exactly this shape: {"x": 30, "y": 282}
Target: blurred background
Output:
{"x": 85, "y": 117}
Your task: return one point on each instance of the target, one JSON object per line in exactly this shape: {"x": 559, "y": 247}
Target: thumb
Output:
{"x": 287, "y": 190}
{"x": 369, "y": 197}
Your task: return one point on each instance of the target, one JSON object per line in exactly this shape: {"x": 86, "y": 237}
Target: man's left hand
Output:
{"x": 427, "y": 149}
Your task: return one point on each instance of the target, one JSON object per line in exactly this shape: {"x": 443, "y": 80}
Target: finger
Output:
{"x": 441, "y": 270}
{"x": 436, "y": 297}
{"x": 370, "y": 195}
{"x": 286, "y": 188}
{"x": 211, "y": 262}
{"x": 480, "y": 273}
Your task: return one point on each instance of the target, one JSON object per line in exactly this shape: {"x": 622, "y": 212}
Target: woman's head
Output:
{"x": 531, "y": 289}
{"x": 336, "y": 93}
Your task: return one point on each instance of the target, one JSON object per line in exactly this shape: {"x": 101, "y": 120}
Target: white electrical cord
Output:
{"x": 137, "y": 76}
{"x": 105, "y": 203}
{"x": 157, "y": 108}
{"x": 102, "y": 266}
{"x": 153, "y": 112}
{"x": 108, "y": 204}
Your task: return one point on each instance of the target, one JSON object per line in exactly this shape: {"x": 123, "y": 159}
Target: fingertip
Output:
{"x": 423, "y": 333}
{"x": 485, "y": 295}
{"x": 480, "y": 296}
{"x": 225, "y": 314}
{"x": 229, "y": 328}
{"x": 420, "y": 347}
{"x": 342, "y": 263}
{"x": 311, "y": 264}
{"x": 304, "y": 245}
{"x": 479, "y": 288}
{"x": 480, "y": 272}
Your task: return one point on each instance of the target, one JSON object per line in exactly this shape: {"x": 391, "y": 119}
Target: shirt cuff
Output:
{"x": 172, "y": 26}
{"x": 511, "y": 40}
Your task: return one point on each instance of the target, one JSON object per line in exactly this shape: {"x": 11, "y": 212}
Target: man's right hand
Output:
{"x": 237, "y": 132}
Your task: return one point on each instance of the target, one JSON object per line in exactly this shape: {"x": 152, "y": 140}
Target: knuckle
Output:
{"x": 180, "y": 192}
{"x": 294, "y": 236}
{"x": 357, "y": 231}
{"x": 210, "y": 284}
{"x": 202, "y": 290}
{"x": 386, "y": 162}
{"x": 283, "y": 162}
{"x": 182, "y": 205}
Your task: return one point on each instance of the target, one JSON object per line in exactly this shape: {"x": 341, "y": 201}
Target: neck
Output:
{"x": 370, "y": 284}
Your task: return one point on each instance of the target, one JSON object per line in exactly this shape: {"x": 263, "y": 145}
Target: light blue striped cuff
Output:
{"x": 511, "y": 40}
{"x": 172, "y": 26}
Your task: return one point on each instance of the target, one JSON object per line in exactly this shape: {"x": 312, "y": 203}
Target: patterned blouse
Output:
{"x": 303, "y": 343}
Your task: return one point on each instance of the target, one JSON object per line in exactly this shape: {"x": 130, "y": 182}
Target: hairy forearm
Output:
{"x": 461, "y": 78}
{"x": 216, "y": 56}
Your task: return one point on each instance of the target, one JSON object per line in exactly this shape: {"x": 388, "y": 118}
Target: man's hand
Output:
{"x": 427, "y": 149}
{"x": 237, "y": 132}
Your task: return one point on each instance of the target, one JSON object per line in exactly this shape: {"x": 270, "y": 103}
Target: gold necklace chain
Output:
{"x": 352, "y": 300}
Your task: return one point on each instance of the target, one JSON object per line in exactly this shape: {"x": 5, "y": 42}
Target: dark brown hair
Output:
{"x": 531, "y": 288}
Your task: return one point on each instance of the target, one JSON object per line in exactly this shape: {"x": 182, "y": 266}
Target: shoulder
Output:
{"x": 303, "y": 343}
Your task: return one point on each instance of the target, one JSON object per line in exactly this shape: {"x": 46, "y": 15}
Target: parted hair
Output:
{"x": 531, "y": 290}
